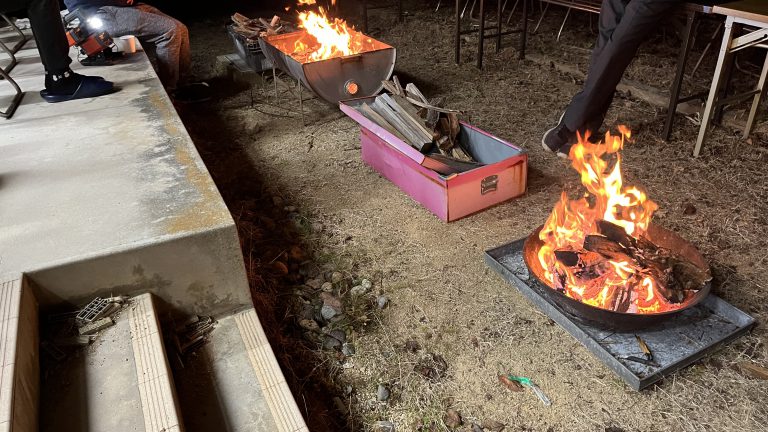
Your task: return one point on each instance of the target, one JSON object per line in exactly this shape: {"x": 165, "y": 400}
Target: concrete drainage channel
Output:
{"x": 112, "y": 366}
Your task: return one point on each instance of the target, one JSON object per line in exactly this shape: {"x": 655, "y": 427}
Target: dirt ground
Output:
{"x": 307, "y": 206}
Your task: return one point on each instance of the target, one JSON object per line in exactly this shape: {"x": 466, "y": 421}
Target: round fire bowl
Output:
{"x": 607, "y": 319}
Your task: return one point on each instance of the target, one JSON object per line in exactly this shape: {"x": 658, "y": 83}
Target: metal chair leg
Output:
{"x": 567, "y": 13}
{"x": 7, "y": 69}
{"x": 524, "y": 31}
{"x": 457, "y": 33}
{"x": 543, "y": 13}
{"x": 8, "y": 112}
{"x": 481, "y": 36}
{"x": 706, "y": 48}
{"x": 756, "y": 100}
{"x": 499, "y": 9}
{"x": 717, "y": 82}
{"x": 682, "y": 59}
{"x": 512, "y": 12}
{"x": 465, "y": 9}
{"x": 22, "y": 37}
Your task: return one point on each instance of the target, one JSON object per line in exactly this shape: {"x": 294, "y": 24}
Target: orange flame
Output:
{"x": 328, "y": 39}
{"x": 607, "y": 198}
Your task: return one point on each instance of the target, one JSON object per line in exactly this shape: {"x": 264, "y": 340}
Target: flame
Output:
{"x": 328, "y": 38}
{"x": 607, "y": 198}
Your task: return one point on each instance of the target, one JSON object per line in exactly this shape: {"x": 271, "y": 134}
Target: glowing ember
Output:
{"x": 327, "y": 39}
{"x": 611, "y": 281}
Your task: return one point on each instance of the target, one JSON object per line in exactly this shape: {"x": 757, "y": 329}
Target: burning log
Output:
{"x": 597, "y": 249}
{"x": 672, "y": 275}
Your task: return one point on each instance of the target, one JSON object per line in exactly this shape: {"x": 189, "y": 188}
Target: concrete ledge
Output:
{"x": 96, "y": 184}
{"x": 19, "y": 356}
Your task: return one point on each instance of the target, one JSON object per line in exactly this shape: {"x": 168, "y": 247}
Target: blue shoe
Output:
{"x": 89, "y": 87}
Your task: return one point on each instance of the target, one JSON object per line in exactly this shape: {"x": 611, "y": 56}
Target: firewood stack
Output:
{"x": 422, "y": 123}
{"x": 259, "y": 27}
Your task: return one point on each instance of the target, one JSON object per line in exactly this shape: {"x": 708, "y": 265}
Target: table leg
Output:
{"x": 682, "y": 59}
{"x": 717, "y": 80}
{"x": 756, "y": 99}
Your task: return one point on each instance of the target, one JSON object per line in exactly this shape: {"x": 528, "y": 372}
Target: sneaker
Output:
{"x": 559, "y": 139}
{"x": 192, "y": 93}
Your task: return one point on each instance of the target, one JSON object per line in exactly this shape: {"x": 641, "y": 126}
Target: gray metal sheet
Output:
{"x": 676, "y": 343}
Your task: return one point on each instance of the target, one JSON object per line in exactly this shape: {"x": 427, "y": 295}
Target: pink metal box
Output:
{"x": 504, "y": 175}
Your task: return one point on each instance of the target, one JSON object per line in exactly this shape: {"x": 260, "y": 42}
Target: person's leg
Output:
{"x": 611, "y": 13}
{"x": 185, "y": 54}
{"x": 148, "y": 24}
{"x": 49, "y": 35}
{"x": 639, "y": 19}
{"x": 61, "y": 84}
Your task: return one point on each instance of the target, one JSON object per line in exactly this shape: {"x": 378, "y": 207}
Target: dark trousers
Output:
{"x": 623, "y": 26}
{"x": 48, "y": 29}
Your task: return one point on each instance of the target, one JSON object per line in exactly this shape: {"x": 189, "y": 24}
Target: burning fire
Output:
{"x": 327, "y": 39}
{"x": 608, "y": 199}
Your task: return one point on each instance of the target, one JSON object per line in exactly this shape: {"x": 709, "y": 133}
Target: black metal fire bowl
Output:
{"x": 607, "y": 319}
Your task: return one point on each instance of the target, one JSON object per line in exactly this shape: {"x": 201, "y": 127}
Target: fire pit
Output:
{"x": 633, "y": 293}
{"x": 601, "y": 256}
{"x": 619, "y": 320}
{"x": 331, "y": 58}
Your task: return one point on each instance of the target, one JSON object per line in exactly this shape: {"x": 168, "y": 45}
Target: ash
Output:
{"x": 516, "y": 264}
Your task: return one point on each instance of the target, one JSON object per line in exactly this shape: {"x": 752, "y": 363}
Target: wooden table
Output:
{"x": 746, "y": 26}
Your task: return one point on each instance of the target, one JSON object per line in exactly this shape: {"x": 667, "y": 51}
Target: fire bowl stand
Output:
{"x": 675, "y": 343}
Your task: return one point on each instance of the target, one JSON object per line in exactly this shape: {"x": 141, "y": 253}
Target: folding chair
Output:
{"x": 22, "y": 37}
{"x": 8, "y": 112}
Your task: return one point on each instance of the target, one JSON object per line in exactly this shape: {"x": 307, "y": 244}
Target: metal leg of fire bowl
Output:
{"x": 8, "y": 112}
{"x": 274, "y": 81}
{"x": 301, "y": 103}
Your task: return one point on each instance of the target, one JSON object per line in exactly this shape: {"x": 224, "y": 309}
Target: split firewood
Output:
{"x": 259, "y": 27}
{"x": 372, "y": 115}
{"x": 447, "y": 165}
{"x": 422, "y": 123}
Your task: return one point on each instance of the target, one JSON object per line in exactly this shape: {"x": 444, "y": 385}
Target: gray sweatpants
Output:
{"x": 148, "y": 24}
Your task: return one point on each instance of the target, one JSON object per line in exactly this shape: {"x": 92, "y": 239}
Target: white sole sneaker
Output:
{"x": 544, "y": 144}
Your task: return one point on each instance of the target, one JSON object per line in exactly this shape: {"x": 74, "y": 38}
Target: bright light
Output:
{"x": 95, "y": 23}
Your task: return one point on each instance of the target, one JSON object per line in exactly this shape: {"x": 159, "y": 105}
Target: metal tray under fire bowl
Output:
{"x": 334, "y": 79}
{"x": 609, "y": 319}
{"x": 676, "y": 340}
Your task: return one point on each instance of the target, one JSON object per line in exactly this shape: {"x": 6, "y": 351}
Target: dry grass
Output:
{"x": 446, "y": 299}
